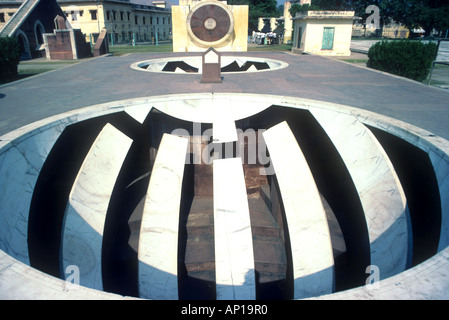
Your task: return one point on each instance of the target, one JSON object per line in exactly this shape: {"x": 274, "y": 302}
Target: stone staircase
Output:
{"x": 15, "y": 20}
{"x": 270, "y": 257}
{"x": 200, "y": 251}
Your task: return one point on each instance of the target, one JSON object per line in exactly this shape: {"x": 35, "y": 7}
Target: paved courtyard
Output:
{"x": 110, "y": 78}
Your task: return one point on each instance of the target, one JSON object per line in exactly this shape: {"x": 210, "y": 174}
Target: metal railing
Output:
{"x": 441, "y": 57}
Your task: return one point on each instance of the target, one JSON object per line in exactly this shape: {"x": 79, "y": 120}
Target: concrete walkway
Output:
{"x": 110, "y": 78}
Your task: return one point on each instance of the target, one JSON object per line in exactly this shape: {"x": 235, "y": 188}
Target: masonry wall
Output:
{"x": 60, "y": 45}
{"x": 40, "y": 21}
{"x": 311, "y": 40}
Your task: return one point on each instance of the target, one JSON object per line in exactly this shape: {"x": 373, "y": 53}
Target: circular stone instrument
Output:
{"x": 210, "y": 23}
{"x": 72, "y": 220}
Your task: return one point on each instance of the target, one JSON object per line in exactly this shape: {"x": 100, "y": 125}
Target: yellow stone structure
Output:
{"x": 323, "y": 32}
{"x": 199, "y": 25}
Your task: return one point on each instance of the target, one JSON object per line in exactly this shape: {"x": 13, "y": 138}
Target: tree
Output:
{"x": 428, "y": 14}
{"x": 322, "y": 5}
{"x": 9, "y": 58}
{"x": 257, "y": 9}
{"x": 301, "y": 8}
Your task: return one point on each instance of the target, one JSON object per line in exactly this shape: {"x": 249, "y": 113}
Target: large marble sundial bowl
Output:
{"x": 223, "y": 196}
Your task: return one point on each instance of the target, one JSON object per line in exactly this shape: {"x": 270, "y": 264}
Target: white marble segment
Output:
{"x": 86, "y": 210}
{"x": 311, "y": 247}
{"x": 428, "y": 280}
{"x": 158, "y": 242}
{"x": 440, "y": 164}
{"x": 138, "y": 112}
{"x": 21, "y": 161}
{"x": 211, "y": 57}
{"x": 223, "y": 126}
{"x": 381, "y": 194}
{"x": 234, "y": 255}
{"x": 200, "y": 108}
{"x": 19, "y": 281}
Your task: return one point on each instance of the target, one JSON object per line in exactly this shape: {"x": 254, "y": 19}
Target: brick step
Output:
{"x": 265, "y": 194}
{"x": 262, "y": 222}
{"x": 267, "y": 276}
{"x": 269, "y": 250}
{"x": 199, "y": 223}
{"x": 270, "y": 259}
{"x": 200, "y": 255}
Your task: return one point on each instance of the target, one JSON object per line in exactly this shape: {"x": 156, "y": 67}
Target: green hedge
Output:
{"x": 9, "y": 59}
{"x": 410, "y": 59}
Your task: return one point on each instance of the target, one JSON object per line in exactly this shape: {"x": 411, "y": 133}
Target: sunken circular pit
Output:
{"x": 193, "y": 65}
{"x": 223, "y": 196}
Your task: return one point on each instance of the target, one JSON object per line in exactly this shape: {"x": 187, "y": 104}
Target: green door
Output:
{"x": 328, "y": 38}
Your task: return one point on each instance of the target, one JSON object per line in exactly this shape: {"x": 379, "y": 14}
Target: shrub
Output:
{"x": 410, "y": 59}
{"x": 9, "y": 59}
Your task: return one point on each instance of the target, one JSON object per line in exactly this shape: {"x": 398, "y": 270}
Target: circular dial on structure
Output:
{"x": 210, "y": 22}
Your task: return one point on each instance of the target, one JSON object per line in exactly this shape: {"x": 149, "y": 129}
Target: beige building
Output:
{"x": 323, "y": 32}
{"x": 270, "y": 23}
{"x": 288, "y": 22}
{"x": 7, "y": 10}
{"x": 125, "y": 21}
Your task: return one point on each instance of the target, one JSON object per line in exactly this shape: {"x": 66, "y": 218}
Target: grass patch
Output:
{"x": 441, "y": 66}
{"x": 34, "y": 67}
{"x": 436, "y": 82}
{"x": 355, "y": 60}
{"x": 270, "y": 48}
{"x": 122, "y": 50}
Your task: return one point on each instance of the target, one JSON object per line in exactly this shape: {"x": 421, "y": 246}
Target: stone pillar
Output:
{"x": 211, "y": 66}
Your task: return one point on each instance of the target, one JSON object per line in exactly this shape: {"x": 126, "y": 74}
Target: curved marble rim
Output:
{"x": 24, "y": 282}
{"x": 139, "y": 65}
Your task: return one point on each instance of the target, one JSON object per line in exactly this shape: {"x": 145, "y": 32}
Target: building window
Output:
{"x": 93, "y": 14}
{"x": 328, "y": 38}
{"x": 2, "y": 17}
{"x": 129, "y": 16}
{"x": 121, "y": 15}
{"x": 143, "y": 20}
{"x": 157, "y": 20}
{"x": 113, "y": 15}
{"x": 74, "y": 15}
{"x": 108, "y": 15}
{"x": 135, "y": 19}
